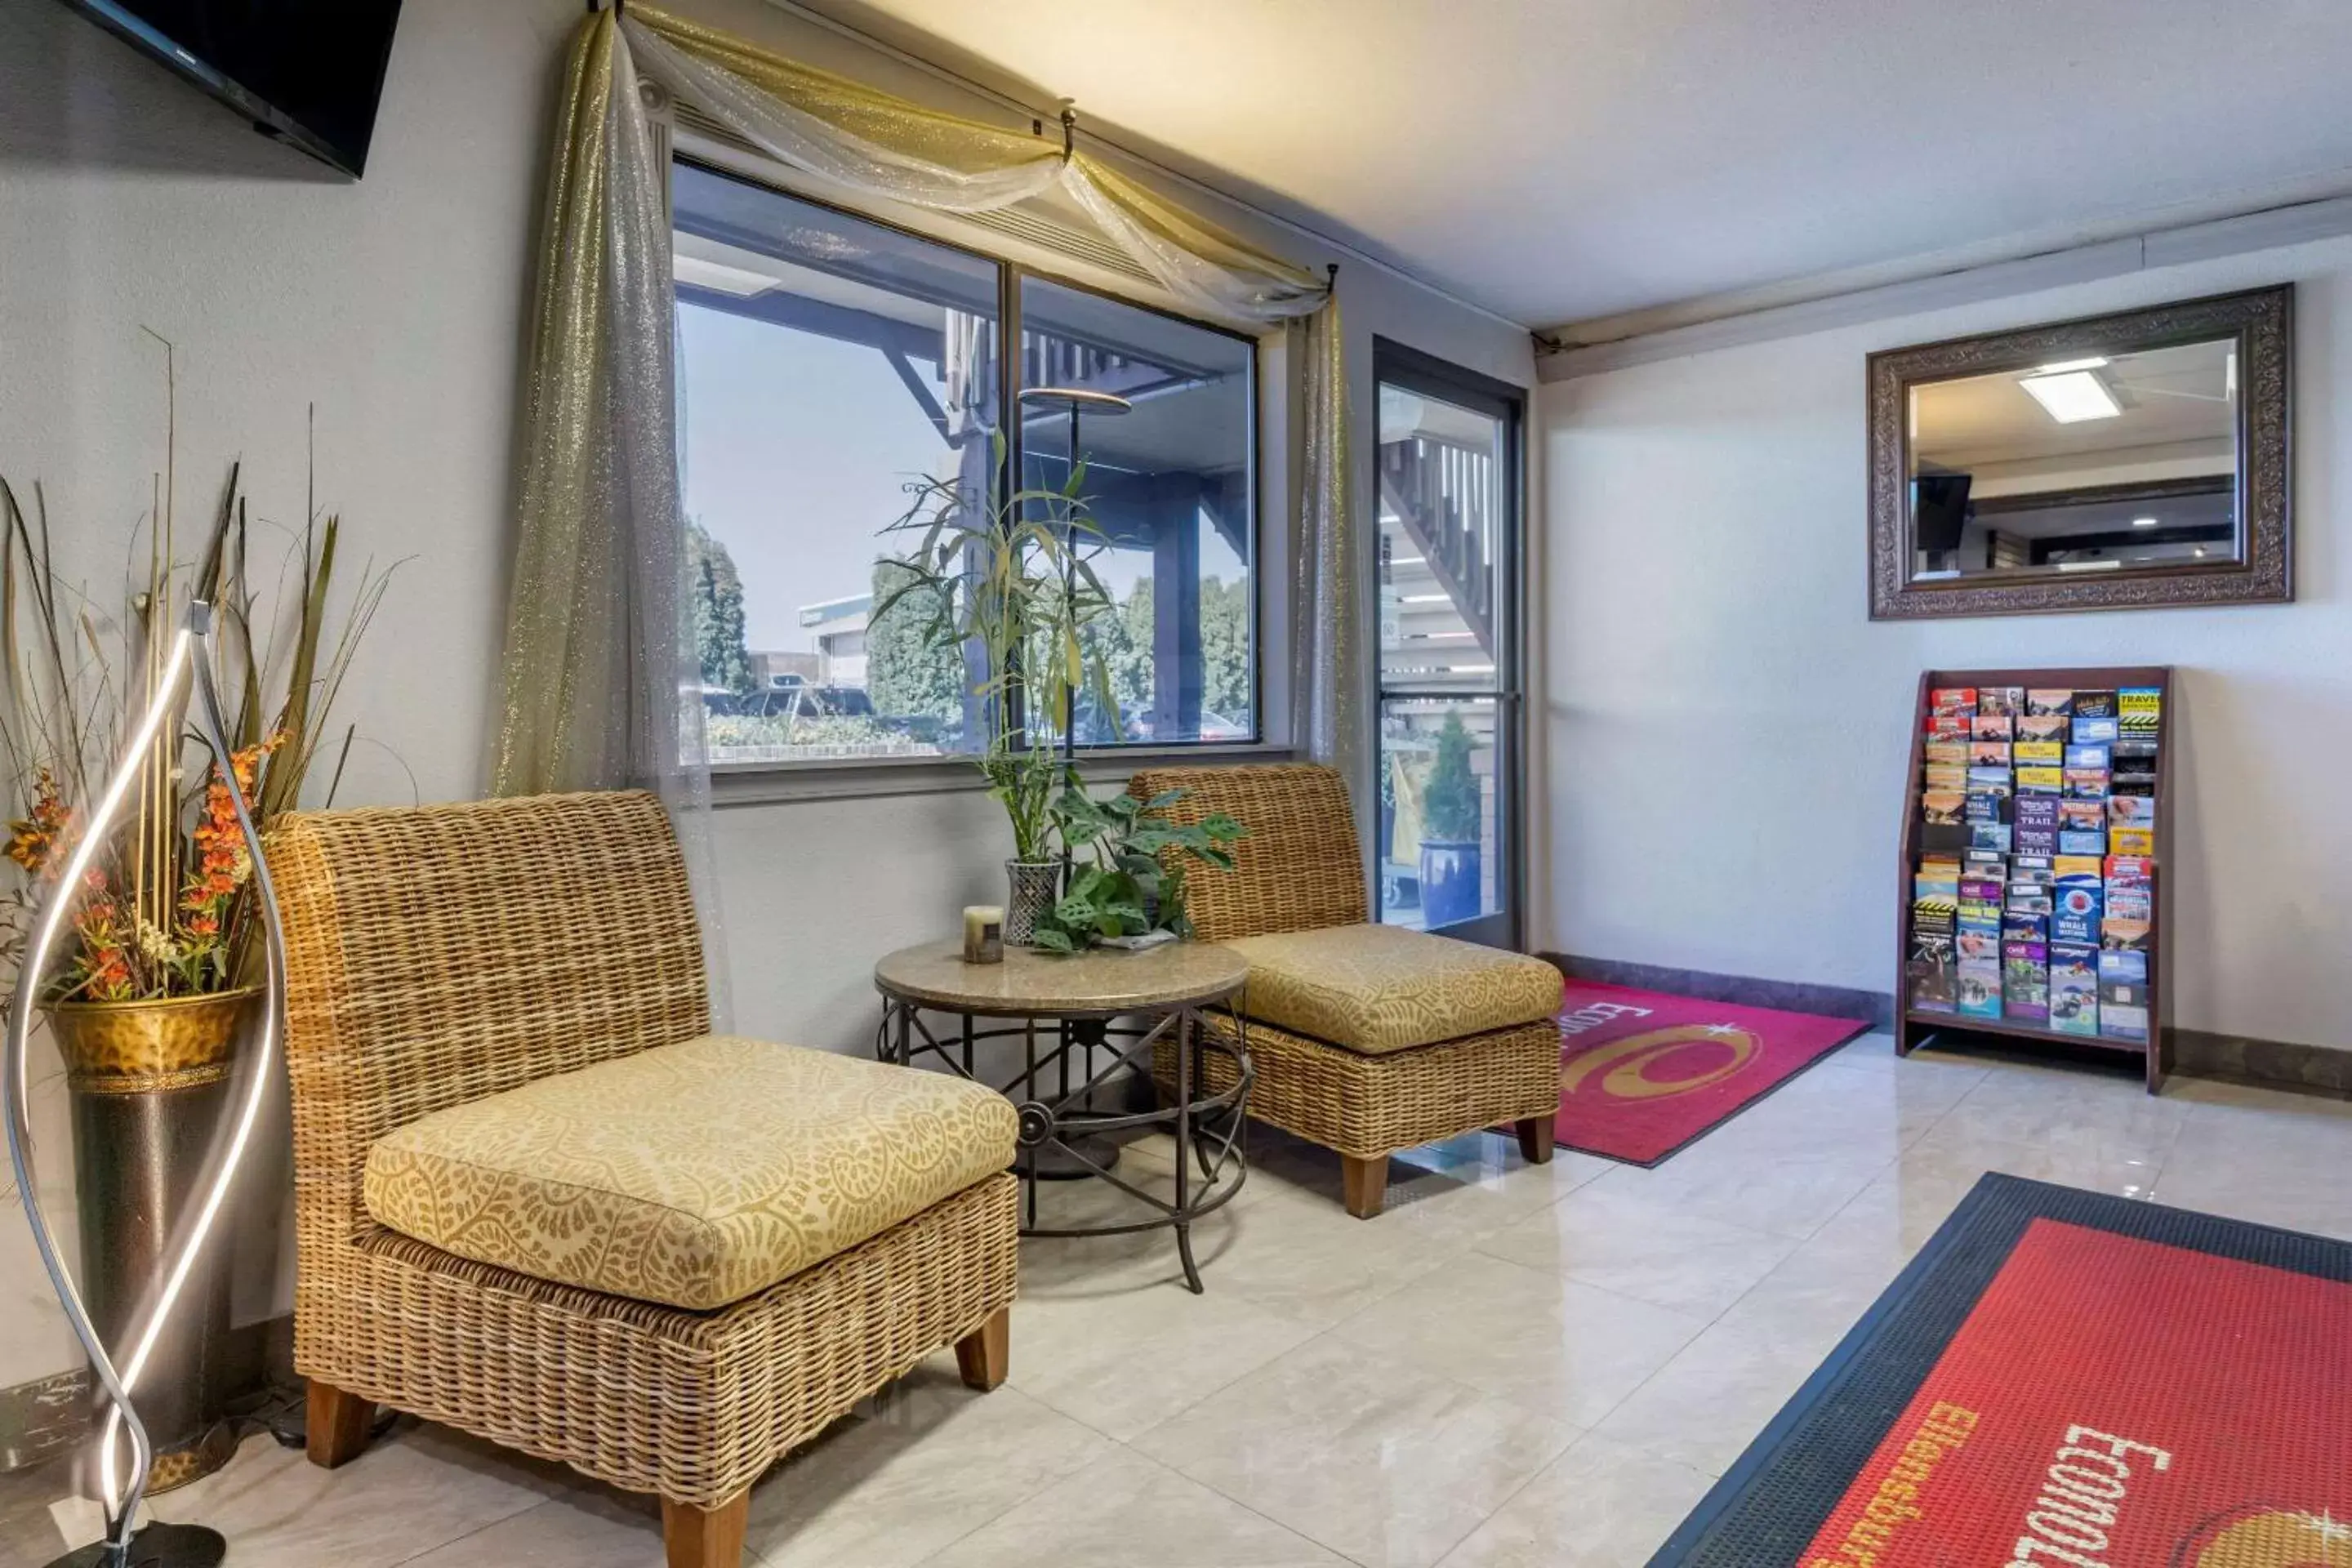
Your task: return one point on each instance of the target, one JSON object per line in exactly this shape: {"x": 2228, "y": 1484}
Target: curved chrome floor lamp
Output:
{"x": 159, "y": 1546}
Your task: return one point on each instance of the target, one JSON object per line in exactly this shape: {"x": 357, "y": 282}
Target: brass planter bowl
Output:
{"x": 149, "y": 1084}
{"x": 140, "y": 1046}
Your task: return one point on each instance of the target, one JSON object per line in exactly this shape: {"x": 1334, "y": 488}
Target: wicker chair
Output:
{"x": 1368, "y": 1039}
{"x": 444, "y": 955}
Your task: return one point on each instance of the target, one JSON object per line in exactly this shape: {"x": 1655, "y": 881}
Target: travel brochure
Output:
{"x": 2033, "y": 902}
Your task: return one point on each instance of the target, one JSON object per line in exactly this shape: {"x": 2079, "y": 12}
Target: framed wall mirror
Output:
{"x": 2115, "y": 462}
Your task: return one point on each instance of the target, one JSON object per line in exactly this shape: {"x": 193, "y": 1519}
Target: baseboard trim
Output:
{"x": 2274, "y": 1064}
{"x": 1874, "y": 1007}
{"x": 51, "y": 1415}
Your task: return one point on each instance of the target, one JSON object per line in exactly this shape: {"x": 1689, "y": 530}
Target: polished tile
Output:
{"x": 922, "y": 1465}
{"x": 1637, "y": 1246}
{"x": 1603, "y": 1504}
{"x": 1451, "y": 1192}
{"x": 1159, "y": 1351}
{"x": 415, "y": 1488}
{"x": 1127, "y": 1511}
{"x": 588, "y": 1528}
{"x": 1556, "y": 1346}
{"x": 1379, "y": 1461}
{"x": 1704, "y": 1406}
{"x": 1515, "y": 1365}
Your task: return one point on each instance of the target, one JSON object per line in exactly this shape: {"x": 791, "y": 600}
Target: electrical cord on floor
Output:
{"x": 283, "y": 1412}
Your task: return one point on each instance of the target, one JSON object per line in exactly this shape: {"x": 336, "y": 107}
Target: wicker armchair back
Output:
{"x": 1301, "y": 867}
{"x": 442, "y": 954}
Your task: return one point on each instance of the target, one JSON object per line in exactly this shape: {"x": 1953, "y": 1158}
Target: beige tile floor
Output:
{"x": 1515, "y": 1366}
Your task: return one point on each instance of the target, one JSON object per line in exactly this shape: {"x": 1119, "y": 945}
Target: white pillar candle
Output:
{"x": 983, "y": 933}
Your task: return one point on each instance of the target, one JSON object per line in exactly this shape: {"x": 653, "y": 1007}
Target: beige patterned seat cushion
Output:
{"x": 692, "y": 1174}
{"x": 1378, "y": 989}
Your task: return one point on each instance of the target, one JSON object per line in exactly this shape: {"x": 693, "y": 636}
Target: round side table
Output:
{"x": 1081, "y": 1019}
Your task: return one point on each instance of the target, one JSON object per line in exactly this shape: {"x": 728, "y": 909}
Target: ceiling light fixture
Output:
{"x": 2065, "y": 366}
{"x": 1425, "y": 599}
{"x": 2143, "y": 522}
{"x": 2070, "y": 397}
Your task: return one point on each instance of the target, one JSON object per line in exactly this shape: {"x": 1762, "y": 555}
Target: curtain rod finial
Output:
{"x": 1069, "y": 128}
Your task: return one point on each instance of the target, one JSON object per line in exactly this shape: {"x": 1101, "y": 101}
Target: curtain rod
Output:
{"x": 1030, "y": 112}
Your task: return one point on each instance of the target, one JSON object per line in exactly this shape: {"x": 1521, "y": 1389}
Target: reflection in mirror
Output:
{"x": 2093, "y": 463}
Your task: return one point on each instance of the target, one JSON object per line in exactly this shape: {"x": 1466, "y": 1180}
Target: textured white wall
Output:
{"x": 397, "y": 305}
{"x": 1726, "y": 730}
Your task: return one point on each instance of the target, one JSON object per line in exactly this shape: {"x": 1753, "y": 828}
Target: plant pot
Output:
{"x": 148, "y": 1081}
{"x": 1450, "y": 889}
{"x": 1033, "y": 885}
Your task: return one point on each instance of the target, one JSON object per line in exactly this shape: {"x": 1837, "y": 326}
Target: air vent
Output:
{"x": 1027, "y": 222}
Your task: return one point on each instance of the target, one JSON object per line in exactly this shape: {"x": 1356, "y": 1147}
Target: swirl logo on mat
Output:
{"x": 1661, "y": 1062}
{"x": 2269, "y": 1538}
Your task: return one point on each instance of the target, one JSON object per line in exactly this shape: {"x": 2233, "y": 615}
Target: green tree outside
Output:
{"x": 906, "y": 674}
{"x": 716, "y": 589}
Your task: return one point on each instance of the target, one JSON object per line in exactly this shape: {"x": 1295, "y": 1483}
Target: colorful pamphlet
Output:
{"x": 2027, "y": 898}
{"x": 2122, "y": 996}
{"x": 1983, "y": 946}
{"x": 1979, "y": 987}
{"x": 2094, "y": 704}
{"x": 2037, "y": 754}
{"x": 1948, "y": 726}
{"x": 2077, "y": 905}
{"x": 1948, "y": 754}
{"x": 1992, "y": 836}
{"x": 2140, "y": 710}
{"x": 2082, "y": 756}
{"x": 2000, "y": 700}
{"x": 2025, "y": 981}
{"x": 2081, "y": 843}
{"x": 2082, "y": 815}
{"x": 2043, "y": 726}
{"x": 2078, "y": 865}
{"x": 2041, "y": 781}
{"x": 2088, "y": 783}
{"x": 1952, "y": 698}
{"x": 1946, "y": 775}
{"x": 2131, "y": 811}
{"x": 1992, "y": 726}
{"x": 1934, "y": 972}
{"x": 2074, "y": 988}
{"x": 2098, "y": 730}
{"x": 1941, "y": 804}
{"x": 1989, "y": 754}
{"x": 2048, "y": 699}
{"x": 2131, "y": 841}
{"x": 1989, "y": 778}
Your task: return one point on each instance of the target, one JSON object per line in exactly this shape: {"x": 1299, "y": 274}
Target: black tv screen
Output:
{"x": 1939, "y": 510}
{"x": 306, "y": 72}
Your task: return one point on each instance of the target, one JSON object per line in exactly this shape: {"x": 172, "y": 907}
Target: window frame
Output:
{"x": 753, "y": 782}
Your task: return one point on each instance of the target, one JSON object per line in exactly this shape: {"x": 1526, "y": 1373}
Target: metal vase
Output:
{"x": 1033, "y": 886}
{"x": 148, "y": 1082}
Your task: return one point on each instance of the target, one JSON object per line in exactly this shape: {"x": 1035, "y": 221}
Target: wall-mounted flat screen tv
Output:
{"x": 306, "y": 72}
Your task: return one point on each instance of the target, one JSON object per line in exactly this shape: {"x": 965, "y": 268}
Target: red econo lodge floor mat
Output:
{"x": 2065, "y": 1380}
{"x": 1642, "y": 1073}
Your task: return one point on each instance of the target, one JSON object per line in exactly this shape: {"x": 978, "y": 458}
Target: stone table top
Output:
{"x": 1028, "y": 983}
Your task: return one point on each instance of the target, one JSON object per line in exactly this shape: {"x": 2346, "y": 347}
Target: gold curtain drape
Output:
{"x": 599, "y": 688}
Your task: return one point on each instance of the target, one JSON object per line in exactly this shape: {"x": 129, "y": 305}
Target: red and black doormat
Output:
{"x": 2062, "y": 1379}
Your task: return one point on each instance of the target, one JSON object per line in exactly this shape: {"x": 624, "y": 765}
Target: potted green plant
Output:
{"x": 1126, "y": 887}
{"x": 1015, "y": 579}
{"x": 1450, "y": 814}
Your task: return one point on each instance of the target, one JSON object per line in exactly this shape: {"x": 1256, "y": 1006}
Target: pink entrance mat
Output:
{"x": 1641, "y": 1074}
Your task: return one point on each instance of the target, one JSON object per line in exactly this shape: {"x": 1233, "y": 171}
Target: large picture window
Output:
{"x": 824, "y": 363}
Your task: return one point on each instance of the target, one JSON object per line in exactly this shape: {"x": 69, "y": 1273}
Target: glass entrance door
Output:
{"x": 1448, "y": 855}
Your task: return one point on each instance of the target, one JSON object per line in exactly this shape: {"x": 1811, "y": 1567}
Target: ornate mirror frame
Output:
{"x": 2263, "y": 320}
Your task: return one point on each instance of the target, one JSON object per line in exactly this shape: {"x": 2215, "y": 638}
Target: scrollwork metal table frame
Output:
{"x": 1082, "y": 1021}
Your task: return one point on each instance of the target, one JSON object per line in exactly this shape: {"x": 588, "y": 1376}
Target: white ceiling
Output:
{"x": 1557, "y": 161}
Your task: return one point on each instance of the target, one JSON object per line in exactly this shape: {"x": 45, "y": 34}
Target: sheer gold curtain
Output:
{"x": 599, "y": 683}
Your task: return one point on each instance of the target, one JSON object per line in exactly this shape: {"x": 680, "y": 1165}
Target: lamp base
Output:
{"x": 159, "y": 1546}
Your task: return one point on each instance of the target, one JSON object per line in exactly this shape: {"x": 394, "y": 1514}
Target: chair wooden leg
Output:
{"x": 705, "y": 1537}
{"x": 338, "y": 1425}
{"x": 1536, "y": 1136}
{"x": 984, "y": 1356}
{"x": 1364, "y": 1181}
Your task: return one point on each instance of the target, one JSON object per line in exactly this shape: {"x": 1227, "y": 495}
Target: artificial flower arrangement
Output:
{"x": 166, "y": 910}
